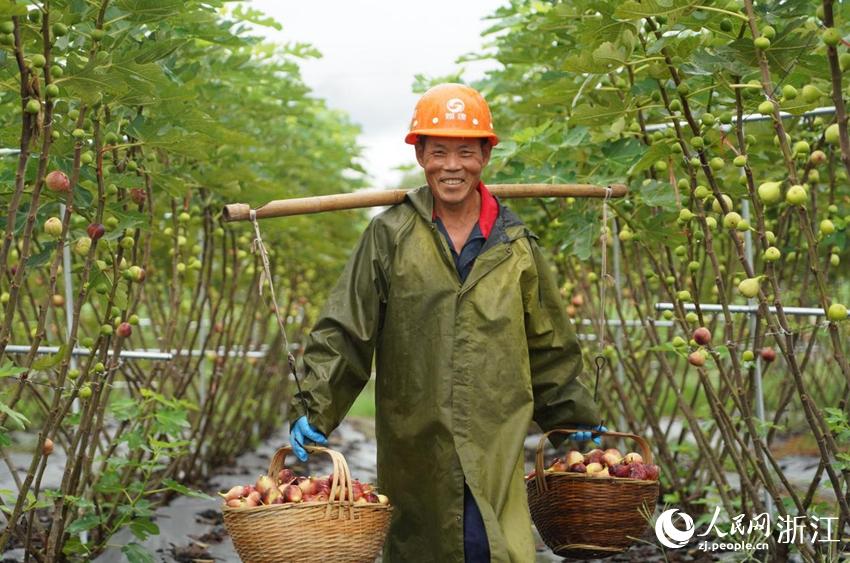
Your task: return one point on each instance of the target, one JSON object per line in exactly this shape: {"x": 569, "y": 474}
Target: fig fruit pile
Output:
{"x": 291, "y": 488}
{"x": 603, "y": 463}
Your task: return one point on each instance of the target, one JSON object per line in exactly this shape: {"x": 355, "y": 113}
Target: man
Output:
{"x": 451, "y": 293}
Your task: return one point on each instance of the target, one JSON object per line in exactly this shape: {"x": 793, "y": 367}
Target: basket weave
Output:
{"x": 590, "y": 517}
{"x": 338, "y": 530}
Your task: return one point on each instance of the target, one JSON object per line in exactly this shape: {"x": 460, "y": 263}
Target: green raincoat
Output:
{"x": 462, "y": 369}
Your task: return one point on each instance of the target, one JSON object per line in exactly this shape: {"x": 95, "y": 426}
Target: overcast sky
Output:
{"x": 371, "y": 51}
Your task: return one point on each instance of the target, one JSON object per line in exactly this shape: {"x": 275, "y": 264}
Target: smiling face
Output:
{"x": 453, "y": 167}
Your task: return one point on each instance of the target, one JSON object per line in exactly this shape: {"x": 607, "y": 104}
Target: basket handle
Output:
{"x": 539, "y": 475}
{"x": 340, "y": 484}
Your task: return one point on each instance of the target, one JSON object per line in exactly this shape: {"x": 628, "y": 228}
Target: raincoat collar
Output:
{"x": 422, "y": 201}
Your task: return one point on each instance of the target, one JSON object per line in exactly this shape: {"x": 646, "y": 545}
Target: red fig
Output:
{"x": 619, "y": 470}
{"x": 264, "y": 484}
{"x": 57, "y": 181}
{"x": 651, "y": 471}
{"x": 610, "y": 459}
{"x": 356, "y": 490}
{"x": 292, "y": 493}
{"x": 271, "y": 495}
{"x": 768, "y": 354}
{"x": 594, "y": 467}
{"x": 637, "y": 471}
{"x": 696, "y": 358}
{"x": 285, "y": 476}
{"x": 702, "y": 336}
{"x": 124, "y": 330}
{"x": 601, "y": 473}
{"x": 633, "y": 457}
{"x": 95, "y": 231}
{"x": 573, "y": 457}
{"x": 578, "y": 468}
{"x": 235, "y": 492}
{"x": 47, "y": 447}
{"x": 558, "y": 466}
{"x": 593, "y": 456}
{"x": 137, "y": 195}
{"x": 309, "y": 486}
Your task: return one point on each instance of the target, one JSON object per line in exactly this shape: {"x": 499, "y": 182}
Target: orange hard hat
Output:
{"x": 451, "y": 110}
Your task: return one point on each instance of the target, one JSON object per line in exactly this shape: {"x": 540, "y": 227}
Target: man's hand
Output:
{"x": 300, "y": 433}
{"x": 586, "y": 435}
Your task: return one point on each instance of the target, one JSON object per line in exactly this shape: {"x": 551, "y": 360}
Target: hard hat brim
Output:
{"x": 411, "y": 137}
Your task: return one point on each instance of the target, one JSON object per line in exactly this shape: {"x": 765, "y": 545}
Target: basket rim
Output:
{"x": 311, "y": 504}
{"x": 590, "y": 478}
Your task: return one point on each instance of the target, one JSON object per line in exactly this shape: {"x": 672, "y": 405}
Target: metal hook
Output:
{"x": 600, "y": 362}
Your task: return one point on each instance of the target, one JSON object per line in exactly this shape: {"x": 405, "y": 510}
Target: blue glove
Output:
{"x": 585, "y": 436}
{"x": 302, "y": 431}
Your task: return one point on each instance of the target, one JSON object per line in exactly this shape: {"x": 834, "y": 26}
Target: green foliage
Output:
{"x": 160, "y": 112}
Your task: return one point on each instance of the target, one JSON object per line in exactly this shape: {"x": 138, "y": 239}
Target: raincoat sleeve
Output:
{"x": 560, "y": 398}
{"x": 338, "y": 351}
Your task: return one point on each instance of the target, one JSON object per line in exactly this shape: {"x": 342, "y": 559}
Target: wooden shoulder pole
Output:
{"x": 337, "y": 202}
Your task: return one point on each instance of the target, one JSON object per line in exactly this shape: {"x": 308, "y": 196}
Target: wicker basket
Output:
{"x": 338, "y": 530}
{"x": 590, "y": 517}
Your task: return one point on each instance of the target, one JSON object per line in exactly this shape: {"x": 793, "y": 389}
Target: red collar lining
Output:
{"x": 488, "y": 212}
